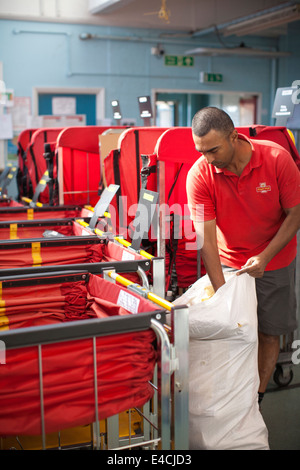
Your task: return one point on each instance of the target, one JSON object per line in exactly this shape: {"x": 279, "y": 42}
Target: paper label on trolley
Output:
{"x": 126, "y": 255}
{"x": 128, "y": 301}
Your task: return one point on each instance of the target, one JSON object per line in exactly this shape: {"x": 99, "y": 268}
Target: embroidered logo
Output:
{"x": 263, "y": 188}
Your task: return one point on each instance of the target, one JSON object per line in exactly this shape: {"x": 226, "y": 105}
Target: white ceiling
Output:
{"x": 181, "y": 17}
{"x": 178, "y": 15}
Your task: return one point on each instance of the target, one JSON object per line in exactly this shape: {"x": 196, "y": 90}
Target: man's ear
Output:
{"x": 234, "y": 135}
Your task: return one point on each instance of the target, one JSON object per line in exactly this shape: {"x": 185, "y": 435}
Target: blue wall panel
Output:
{"x": 85, "y": 104}
{"x": 38, "y": 54}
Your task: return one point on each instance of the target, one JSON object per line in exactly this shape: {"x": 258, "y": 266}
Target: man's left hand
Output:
{"x": 255, "y": 267}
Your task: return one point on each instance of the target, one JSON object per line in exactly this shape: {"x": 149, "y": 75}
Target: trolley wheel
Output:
{"x": 282, "y": 379}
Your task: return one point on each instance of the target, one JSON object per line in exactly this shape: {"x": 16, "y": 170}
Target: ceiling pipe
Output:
{"x": 88, "y": 36}
{"x": 220, "y": 27}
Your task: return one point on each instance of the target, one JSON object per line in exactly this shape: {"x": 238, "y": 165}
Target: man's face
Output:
{"x": 218, "y": 148}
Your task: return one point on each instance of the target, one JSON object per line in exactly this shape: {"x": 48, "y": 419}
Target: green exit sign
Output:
{"x": 211, "y": 77}
{"x": 179, "y": 60}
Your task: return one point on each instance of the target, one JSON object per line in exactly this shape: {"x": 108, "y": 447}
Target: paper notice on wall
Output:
{"x": 6, "y": 127}
{"x": 63, "y": 105}
{"x": 34, "y": 122}
{"x": 56, "y": 121}
{"x": 20, "y": 112}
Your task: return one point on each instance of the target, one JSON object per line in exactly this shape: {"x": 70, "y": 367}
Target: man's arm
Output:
{"x": 256, "y": 265}
{"x": 210, "y": 253}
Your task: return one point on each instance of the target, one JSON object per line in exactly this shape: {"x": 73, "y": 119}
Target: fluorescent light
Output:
{"x": 262, "y": 21}
{"x": 235, "y": 51}
{"x": 106, "y": 6}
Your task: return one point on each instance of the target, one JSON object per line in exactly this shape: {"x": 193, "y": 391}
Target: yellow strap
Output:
{"x": 4, "y": 321}
{"x": 36, "y": 253}
{"x": 30, "y": 214}
{"x": 13, "y": 228}
{"x": 2, "y": 302}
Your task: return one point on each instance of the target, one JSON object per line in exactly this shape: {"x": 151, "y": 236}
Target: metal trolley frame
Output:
{"x": 170, "y": 427}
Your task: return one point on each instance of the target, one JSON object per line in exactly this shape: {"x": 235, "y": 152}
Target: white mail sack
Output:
{"x": 223, "y": 368}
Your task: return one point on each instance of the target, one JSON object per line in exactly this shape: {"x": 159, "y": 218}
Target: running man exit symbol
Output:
{"x": 179, "y": 60}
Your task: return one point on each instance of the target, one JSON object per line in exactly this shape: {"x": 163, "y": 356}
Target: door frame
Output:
{"x": 244, "y": 94}
{"x": 99, "y": 92}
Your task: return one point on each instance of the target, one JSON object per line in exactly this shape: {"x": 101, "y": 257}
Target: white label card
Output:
{"x": 128, "y": 301}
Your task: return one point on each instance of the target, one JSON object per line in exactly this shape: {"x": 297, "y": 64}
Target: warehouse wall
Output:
{"x": 39, "y": 54}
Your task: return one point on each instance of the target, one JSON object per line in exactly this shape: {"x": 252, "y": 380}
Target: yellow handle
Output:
{"x": 118, "y": 239}
{"x": 26, "y": 199}
{"x": 99, "y": 232}
{"x": 91, "y": 208}
{"x": 128, "y": 244}
{"x": 82, "y": 222}
{"x": 150, "y": 295}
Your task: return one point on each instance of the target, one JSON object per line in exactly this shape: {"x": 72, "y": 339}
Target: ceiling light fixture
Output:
{"x": 256, "y": 22}
{"x": 264, "y": 21}
{"x": 236, "y": 51}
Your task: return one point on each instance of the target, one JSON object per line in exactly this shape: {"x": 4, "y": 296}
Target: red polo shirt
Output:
{"x": 248, "y": 208}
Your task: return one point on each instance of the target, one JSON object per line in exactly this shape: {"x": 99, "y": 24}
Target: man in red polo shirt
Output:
{"x": 244, "y": 198}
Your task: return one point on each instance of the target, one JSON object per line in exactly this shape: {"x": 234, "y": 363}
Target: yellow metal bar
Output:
{"x": 145, "y": 254}
{"x": 82, "y": 222}
{"x": 159, "y": 301}
{"x": 153, "y": 297}
{"x": 122, "y": 280}
{"x": 120, "y": 240}
{"x": 91, "y": 208}
{"x": 28, "y": 200}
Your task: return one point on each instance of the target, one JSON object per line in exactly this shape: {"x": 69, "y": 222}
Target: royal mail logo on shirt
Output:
{"x": 263, "y": 188}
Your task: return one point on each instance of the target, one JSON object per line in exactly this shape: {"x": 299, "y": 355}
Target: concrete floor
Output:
{"x": 281, "y": 405}
{"x": 281, "y": 412}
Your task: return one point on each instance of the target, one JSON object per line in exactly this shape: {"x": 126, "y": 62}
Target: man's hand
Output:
{"x": 255, "y": 267}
